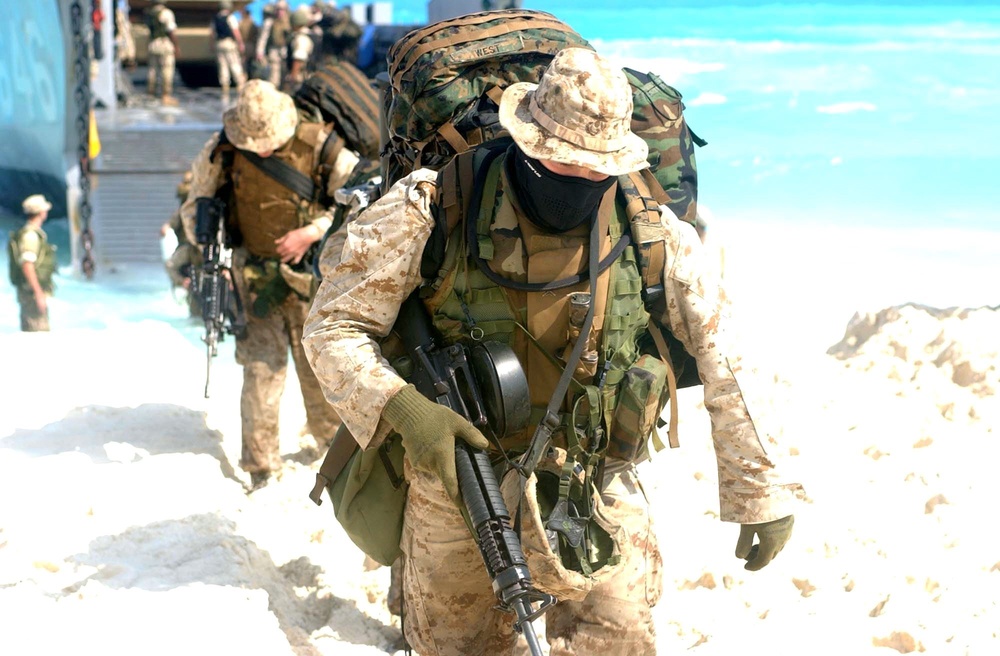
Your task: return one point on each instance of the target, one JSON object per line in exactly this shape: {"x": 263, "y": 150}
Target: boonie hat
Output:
{"x": 263, "y": 118}
{"x": 579, "y": 113}
{"x": 35, "y": 204}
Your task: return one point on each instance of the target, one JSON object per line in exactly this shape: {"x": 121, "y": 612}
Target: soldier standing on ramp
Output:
{"x": 162, "y": 52}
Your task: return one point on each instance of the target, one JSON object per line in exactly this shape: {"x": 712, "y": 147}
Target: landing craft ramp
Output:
{"x": 145, "y": 150}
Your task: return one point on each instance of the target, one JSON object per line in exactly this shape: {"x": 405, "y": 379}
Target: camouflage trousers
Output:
{"x": 227, "y": 57}
{"x": 449, "y": 603}
{"x": 276, "y": 62}
{"x": 264, "y": 356}
{"x": 161, "y": 63}
{"x": 32, "y": 321}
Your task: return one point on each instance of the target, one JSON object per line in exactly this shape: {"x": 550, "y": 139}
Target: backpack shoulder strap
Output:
{"x": 648, "y": 234}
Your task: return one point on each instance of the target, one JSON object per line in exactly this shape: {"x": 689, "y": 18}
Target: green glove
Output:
{"x": 772, "y": 535}
{"x": 428, "y": 431}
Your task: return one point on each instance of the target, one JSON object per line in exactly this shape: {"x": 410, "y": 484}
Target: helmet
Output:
{"x": 301, "y": 17}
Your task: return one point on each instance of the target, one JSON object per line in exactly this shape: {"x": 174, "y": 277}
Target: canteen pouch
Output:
{"x": 369, "y": 499}
{"x": 640, "y": 401}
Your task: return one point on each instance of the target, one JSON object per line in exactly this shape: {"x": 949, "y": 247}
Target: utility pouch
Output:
{"x": 640, "y": 396}
{"x": 557, "y": 530}
{"x": 369, "y": 496}
{"x": 266, "y": 286}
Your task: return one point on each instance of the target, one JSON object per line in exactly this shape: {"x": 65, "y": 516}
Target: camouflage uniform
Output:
{"x": 228, "y": 44}
{"x": 448, "y": 597}
{"x": 273, "y": 39}
{"x": 30, "y": 245}
{"x": 277, "y": 302}
{"x": 161, "y": 52}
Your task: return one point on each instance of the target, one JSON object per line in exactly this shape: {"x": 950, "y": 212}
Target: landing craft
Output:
{"x": 47, "y": 46}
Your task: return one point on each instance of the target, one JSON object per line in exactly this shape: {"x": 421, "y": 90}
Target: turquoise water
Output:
{"x": 856, "y": 114}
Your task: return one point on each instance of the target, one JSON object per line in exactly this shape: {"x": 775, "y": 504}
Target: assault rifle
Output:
{"x": 215, "y": 282}
{"x": 454, "y": 377}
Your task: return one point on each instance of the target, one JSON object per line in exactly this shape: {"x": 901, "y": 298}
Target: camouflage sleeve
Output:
{"x": 359, "y": 299}
{"x": 751, "y": 489}
{"x": 206, "y": 178}
{"x": 29, "y": 246}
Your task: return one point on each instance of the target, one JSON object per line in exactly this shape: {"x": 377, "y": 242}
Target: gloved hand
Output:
{"x": 772, "y": 535}
{"x": 428, "y": 431}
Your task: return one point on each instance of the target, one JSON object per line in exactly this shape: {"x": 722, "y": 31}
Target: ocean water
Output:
{"x": 852, "y": 161}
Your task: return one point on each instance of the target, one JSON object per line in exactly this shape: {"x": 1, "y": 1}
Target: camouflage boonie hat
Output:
{"x": 579, "y": 113}
{"x": 263, "y": 118}
{"x": 35, "y": 204}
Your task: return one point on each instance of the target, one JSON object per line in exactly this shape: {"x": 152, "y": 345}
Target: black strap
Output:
{"x": 284, "y": 174}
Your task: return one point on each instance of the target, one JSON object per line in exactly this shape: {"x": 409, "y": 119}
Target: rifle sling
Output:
{"x": 341, "y": 449}
{"x": 284, "y": 174}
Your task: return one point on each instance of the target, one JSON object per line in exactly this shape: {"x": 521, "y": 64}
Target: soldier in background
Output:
{"x": 249, "y": 31}
{"x": 339, "y": 36}
{"x": 32, "y": 263}
{"x": 272, "y": 43}
{"x": 273, "y": 281}
{"x": 300, "y": 49}
{"x": 162, "y": 52}
{"x": 229, "y": 48}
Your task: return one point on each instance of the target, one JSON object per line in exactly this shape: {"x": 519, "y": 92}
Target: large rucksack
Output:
{"x": 446, "y": 79}
{"x": 339, "y": 93}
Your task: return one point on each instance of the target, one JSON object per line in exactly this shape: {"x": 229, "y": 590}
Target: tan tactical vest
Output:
{"x": 281, "y": 30}
{"x": 45, "y": 265}
{"x": 542, "y": 327}
{"x": 266, "y": 209}
{"x": 157, "y": 30}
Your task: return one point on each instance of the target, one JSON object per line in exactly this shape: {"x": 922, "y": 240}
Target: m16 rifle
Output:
{"x": 486, "y": 385}
{"x": 215, "y": 284}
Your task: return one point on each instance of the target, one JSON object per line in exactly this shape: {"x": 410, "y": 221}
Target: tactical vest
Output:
{"x": 264, "y": 208}
{"x": 45, "y": 265}
{"x": 281, "y": 30}
{"x": 222, "y": 28}
{"x": 541, "y": 327}
{"x": 157, "y": 30}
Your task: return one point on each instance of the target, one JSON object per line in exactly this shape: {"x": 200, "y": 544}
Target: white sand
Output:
{"x": 124, "y": 527}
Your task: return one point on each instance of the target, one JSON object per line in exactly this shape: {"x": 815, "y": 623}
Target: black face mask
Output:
{"x": 554, "y": 202}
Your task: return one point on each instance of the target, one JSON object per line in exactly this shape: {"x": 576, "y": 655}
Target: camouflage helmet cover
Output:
{"x": 263, "y": 119}
{"x": 579, "y": 113}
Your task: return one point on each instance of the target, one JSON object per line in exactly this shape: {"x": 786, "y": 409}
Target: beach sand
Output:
{"x": 125, "y": 528}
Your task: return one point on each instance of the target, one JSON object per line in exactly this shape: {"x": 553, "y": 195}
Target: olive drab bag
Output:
{"x": 340, "y": 94}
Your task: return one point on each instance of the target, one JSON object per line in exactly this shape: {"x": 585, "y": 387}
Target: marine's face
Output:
{"x": 572, "y": 170}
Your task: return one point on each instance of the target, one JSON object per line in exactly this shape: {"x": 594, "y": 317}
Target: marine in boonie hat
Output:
{"x": 35, "y": 204}
{"x": 264, "y": 119}
{"x": 579, "y": 113}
